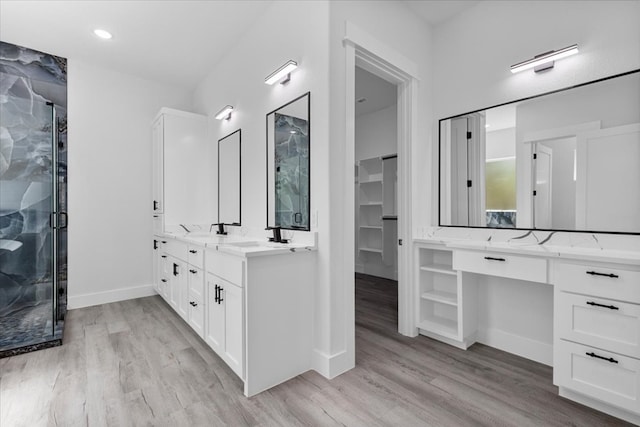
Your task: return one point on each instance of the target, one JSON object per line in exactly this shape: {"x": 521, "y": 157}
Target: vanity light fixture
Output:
{"x": 545, "y": 60}
{"x": 225, "y": 113}
{"x": 103, "y": 34}
{"x": 282, "y": 74}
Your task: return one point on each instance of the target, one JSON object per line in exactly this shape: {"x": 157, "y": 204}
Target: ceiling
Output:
{"x": 172, "y": 42}
{"x": 373, "y": 93}
{"x": 435, "y": 12}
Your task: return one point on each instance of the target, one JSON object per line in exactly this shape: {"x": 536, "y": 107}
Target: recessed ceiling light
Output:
{"x": 102, "y": 34}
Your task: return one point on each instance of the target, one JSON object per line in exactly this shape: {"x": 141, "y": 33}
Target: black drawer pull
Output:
{"x": 163, "y": 256}
{"x": 193, "y": 271}
{"x": 608, "y": 359}
{"x": 175, "y": 269}
{"x": 164, "y": 241}
{"x": 490, "y": 258}
{"x": 216, "y": 295}
{"x": 595, "y": 304}
{"x": 193, "y": 303}
{"x": 595, "y": 273}
{"x": 163, "y": 280}
{"x": 192, "y": 251}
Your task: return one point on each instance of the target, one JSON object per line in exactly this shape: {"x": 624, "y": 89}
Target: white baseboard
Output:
{"x": 97, "y": 298}
{"x": 537, "y": 351}
{"x": 330, "y": 366}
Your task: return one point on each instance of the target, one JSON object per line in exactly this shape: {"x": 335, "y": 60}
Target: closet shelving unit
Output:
{"x": 441, "y": 312}
{"x": 376, "y": 185}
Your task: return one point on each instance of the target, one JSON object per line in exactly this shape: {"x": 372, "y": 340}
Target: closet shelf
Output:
{"x": 449, "y": 298}
{"x": 439, "y": 268}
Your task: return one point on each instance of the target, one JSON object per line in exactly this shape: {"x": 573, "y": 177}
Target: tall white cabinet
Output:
{"x": 377, "y": 216}
{"x": 182, "y": 181}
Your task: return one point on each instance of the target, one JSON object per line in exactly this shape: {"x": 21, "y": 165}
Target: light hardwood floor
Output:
{"x": 137, "y": 363}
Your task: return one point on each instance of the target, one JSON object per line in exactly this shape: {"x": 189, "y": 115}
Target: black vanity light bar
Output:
{"x": 545, "y": 60}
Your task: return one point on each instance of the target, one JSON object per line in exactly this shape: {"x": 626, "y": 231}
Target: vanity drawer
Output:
{"x": 228, "y": 267}
{"x": 613, "y": 283}
{"x": 176, "y": 249}
{"x": 196, "y": 256}
{"x": 599, "y": 322}
{"x": 196, "y": 281}
{"x": 603, "y": 375}
{"x": 497, "y": 264}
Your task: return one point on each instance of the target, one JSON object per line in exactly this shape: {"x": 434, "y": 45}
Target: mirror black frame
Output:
{"x": 239, "y": 132}
{"x": 507, "y": 103}
{"x": 308, "y": 95}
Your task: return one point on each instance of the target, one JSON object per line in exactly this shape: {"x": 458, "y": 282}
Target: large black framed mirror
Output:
{"x": 288, "y": 165}
{"x": 567, "y": 160}
{"x": 230, "y": 179}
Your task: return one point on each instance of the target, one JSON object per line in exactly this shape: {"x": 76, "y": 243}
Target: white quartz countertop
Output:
{"x": 543, "y": 250}
{"x": 240, "y": 245}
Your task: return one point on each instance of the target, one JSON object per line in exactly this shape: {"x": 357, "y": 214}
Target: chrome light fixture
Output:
{"x": 282, "y": 74}
{"x": 225, "y": 113}
{"x": 545, "y": 60}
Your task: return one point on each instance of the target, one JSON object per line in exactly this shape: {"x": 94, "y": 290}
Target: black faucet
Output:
{"x": 277, "y": 235}
{"x": 220, "y": 228}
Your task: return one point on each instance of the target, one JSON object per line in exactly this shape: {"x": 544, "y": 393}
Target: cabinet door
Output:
{"x": 165, "y": 276}
{"x": 157, "y": 187}
{"x": 215, "y": 327}
{"x": 196, "y": 301}
{"x": 234, "y": 336}
{"x": 155, "y": 272}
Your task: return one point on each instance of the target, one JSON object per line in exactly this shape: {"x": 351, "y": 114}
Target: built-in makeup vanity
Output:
{"x": 596, "y": 309}
{"x": 538, "y": 249}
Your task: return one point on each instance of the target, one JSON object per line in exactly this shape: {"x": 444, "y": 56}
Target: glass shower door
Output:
{"x": 28, "y": 197}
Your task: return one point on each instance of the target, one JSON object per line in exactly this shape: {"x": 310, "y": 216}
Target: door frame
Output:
{"x": 366, "y": 52}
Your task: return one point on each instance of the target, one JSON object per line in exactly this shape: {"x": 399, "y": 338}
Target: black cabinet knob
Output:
{"x": 192, "y": 251}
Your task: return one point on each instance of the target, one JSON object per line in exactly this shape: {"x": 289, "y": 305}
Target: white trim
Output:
{"x": 355, "y": 36}
{"x": 562, "y": 132}
{"x": 106, "y": 297}
{"x": 330, "y": 366}
{"x": 528, "y": 348}
{"x": 367, "y": 52}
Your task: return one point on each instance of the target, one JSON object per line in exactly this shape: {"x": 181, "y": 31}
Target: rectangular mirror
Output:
{"x": 567, "y": 160}
{"x": 229, "y": 179}
{"x": 288, "y": 179}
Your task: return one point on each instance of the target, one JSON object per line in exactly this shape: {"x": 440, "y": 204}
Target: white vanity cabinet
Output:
{"x": 259, "y": 313}
{"x": 597, "y": 333}
{"x": 225, "y": 333}
{"x": 181, "y": 181}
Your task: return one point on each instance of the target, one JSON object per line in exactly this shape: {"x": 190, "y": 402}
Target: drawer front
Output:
{"x": 603, "y": 375}
{"x": 612, "y": 283}
{"x": 196, "y": 281}
{"x": 196, "y": 256}
{"x": 228, "y": 267}
{"x": 196, "y": 313}
{"x": 502, "y": 265}
{"x": 176, "y": 249}
{"x": 599, "y": 322}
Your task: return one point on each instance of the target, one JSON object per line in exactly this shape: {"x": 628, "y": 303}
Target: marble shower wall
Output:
{"x": 32, "y": 85}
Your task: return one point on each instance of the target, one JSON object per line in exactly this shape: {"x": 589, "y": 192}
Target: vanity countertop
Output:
{"x": 240, "y": 245}
{"x": 542, "y": 250}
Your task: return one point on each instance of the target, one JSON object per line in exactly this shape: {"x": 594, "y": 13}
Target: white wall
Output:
{"x": 472, "y": 55}
{"x": 376, "y": 136}
{"x": 376, "y": 133}
{"x": 399, "y": 30}
{"x": 287, "y": 30}
{"x": 110, "y": 118}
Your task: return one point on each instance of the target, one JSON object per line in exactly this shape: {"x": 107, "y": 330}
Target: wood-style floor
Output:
{"x": 137, "y": 363}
